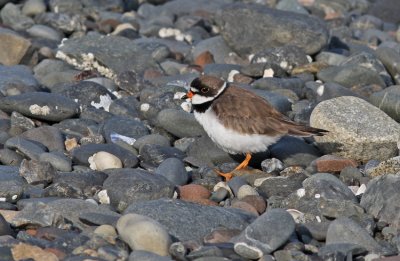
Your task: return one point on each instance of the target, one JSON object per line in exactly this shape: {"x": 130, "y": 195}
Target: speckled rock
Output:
{"x": 357, "y": 129}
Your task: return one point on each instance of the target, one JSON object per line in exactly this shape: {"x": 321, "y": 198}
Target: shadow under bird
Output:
{"x": 239, "y": 121}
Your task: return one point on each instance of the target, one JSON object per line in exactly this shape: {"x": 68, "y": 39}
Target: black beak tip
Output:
{"x": 184, "y": 97}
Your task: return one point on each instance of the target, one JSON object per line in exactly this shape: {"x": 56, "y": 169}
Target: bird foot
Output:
{"x": 228, "y": 176}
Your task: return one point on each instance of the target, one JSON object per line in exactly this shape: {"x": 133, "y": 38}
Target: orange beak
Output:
{"x": 188, "y": 95}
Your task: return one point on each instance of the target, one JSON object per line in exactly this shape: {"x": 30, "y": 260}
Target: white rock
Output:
{"x": 103, "y": 160}
{"x": 143, "y": 233}
{"x": 246, "y": 190}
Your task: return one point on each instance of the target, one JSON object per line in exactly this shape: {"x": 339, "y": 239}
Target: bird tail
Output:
{"x": 305, "y": 131}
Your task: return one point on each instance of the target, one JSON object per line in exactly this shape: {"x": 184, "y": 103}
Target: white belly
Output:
{"x": 230, "y": 140}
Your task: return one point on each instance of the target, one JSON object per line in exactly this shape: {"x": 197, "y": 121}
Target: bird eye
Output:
{"x": 204, "y": 90}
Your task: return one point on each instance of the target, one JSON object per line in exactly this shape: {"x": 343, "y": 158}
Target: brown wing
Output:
{"x": 245, "y": 112}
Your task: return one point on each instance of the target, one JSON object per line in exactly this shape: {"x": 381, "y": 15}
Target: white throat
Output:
{"x": 198, "y": 99}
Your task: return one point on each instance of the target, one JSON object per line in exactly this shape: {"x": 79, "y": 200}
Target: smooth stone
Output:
{"x": 246, "y": 190}
{"x": 351, "y": 176}
{"x": 75, "y": 184}
{"x": 372, "y": 62}
{"x": 37, "y": 172}
{"x": 345, "y": 230}
{"x": 78, "y": 52}
{"x": 190, "y": 221}
{"x": 11, "y": 184}
{"x": 13, "y": 47}
{"x": 320, "y": 92}
{"x": 11, "y": 16}
{"x": 280, "y": 185}
{"x": 173, "y": 169}
{"x": 179, "y": 123}
{"x": 316, "y": 229}
{"x": 5, "y": 228}
{"x": 327, "y": 186}
{"x": 291, "y": 6}
{"x": 144, "y": 233}
{"x": 332, "y": 208}
{"x": 293, "y": 151}
{"x": 271, "y": 165}
{"x": 86, "y": 94}
{"x": 41, "y": 105}
{"x": 127, "y": 186}
{"x": 390, "y": 58}
{"x": 124, "y": 126}
{"x": 357, "y": 129}
{"x": 29, "y": 149}
{"x": 64, "y": 22}
{"x": 46, "y": 72}
{"x": 259, "y": 23}
{"x": 340, "y": 250}
{"x": 266, "y": 234}
{"x": 106, "y": 231}
{"x": 153, "y": 155}
{"x": 58, "y": 212}
{"x": 80, "y": 155}
{"x": 10, "y": 157}
{"x": 103, "y": 160}
{"x": 126, "y": 106}
{"x": 19, "y": 78}
{"x": 380, "y": 199}
{"x": 49, "y": 136}
{"x": 386, "y": 10}
{"x": 350, "y": 75}
{"x": 216, "y": 46}
{"x": 142, "y": 255}
{"x": 207, "y": 152}
{"x": 45, "y": 32}
{"x": 151, "y": 139}
{"x": 33, "y": 7}
{"x": 330, "y": 58}
{"x": 99, "y": 218}
{"x": 294, "y": 84}
{"x": 58, "y": 160}
{"x": 388, "y": 100}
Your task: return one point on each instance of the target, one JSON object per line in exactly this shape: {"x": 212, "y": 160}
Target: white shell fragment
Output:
{"x": 103, "y": 160}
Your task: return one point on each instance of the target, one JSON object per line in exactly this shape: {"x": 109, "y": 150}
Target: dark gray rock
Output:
{"x": 386, "y": 10}
{"x": 350, "y": 75}
{"x": 216, "y": 46}
{"x": 11, "y": 16}
{"x": 41, "y": 105}
{"x": 351, "y": 176}
{"x": 173, "y": 169}
{"x": 127, "y": 186}
{"x": 80, "y": 155}
{"x": 287, "y": 57}
{"x": 59, "y": 212}
{"x": 390, "y": 58}
{"x": 190, "y": 221}
{"x": 99, "y": 219}
{"x": 64, "y": 22}
{"x": 58, "y": 160}
{"x": 220, "y": 70}
{"x": 332, "y": 208}
{"x": 17, "y": 79}
{"x": 294, "y": 151}
{"x": 179, "y": 123}
{"x": 141, "y": 255}
{"x": 328, "y": 187}
{"x": 151, "y": 139}
{"x": 274, "y": 83}
{"x": 315, "y": 229}
{"x": 380, "y": 199}
{"x": 205, "y": 151}
{"x": 388, "y": 100}
{"x": 371, "y": 62}
{"x": 77, "y": 127}
{"x": 287, "y": 255}
{"x": 127, "y": 107}
{"x": 75, "y": 184}
{"x": 20, "y": 123}
{"x": 152, "y": 154}
{"x": 29, "y": 149}
{"x": 49, "y": 136}
{"x": 86, "y": 93}
{"x": 340, "y": 251}
{"x": 124, "y": 126}
{"x": 109, "y": 55}
{"x": 281, "y": 186}
{"x": 10, "y": 157}
{"x": 291, "y": 6}
{"x": 269, "y": 28}
{"x": 37, "y": 172}
{"x": 317, "y": 92}
{"x": 11, "y": 184}
{"x": 131, "y": 82}
{"x": 345, "y": 230}
{"x": 5, "y": 228}
{"x": 267, "y": 233}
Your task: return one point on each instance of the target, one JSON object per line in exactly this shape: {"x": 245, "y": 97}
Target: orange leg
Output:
{"x": 228, "y": 176}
